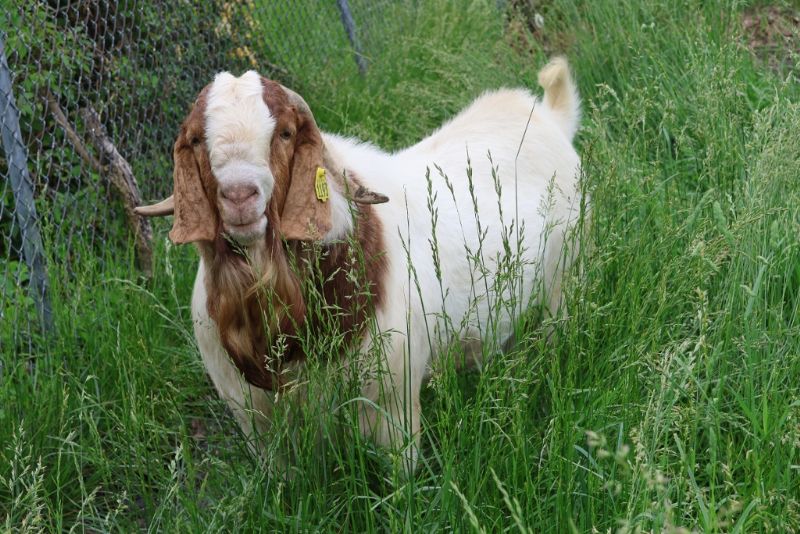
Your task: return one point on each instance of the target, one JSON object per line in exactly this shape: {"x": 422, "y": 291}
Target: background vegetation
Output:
{"x": 667, "y": 400}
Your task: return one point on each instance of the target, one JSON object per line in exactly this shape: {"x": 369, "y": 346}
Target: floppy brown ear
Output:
{"x": 194, "y": 187}
{"x": 195, "y": 218}
{"x": 306, "y": 212}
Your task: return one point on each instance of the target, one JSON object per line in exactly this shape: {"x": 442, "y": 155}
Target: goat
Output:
{"x": 275, "y": 206}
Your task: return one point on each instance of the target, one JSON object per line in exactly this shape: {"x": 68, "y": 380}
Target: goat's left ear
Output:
{"x": 306, "y": 212}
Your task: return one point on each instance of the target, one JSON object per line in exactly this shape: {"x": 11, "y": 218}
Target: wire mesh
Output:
{"x": 135, "y": 66}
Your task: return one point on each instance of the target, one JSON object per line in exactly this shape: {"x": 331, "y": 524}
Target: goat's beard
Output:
{"x": 258, "y": 306}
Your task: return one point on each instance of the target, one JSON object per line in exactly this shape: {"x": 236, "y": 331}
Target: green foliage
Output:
{"x": 138, "y": 65}
{"x": 17, "y": 312}
{"x": 665, "y": 399}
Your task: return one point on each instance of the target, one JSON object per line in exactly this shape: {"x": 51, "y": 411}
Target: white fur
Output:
{"x": 342, "y": 222}
{"x": 239, "y": 124}
{"x": 250, "y": 405}
{"x": 499, "y": 123}
{"x": 239, "y": 128}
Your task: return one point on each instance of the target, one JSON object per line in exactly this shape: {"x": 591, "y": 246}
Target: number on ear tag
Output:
{"x": 321, "y": 185}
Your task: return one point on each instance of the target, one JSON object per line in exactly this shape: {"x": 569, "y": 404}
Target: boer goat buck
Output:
{"x": 283, "y": 214}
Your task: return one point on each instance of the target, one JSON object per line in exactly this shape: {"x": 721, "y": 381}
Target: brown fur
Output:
{"x": 258, "y": 304}
{"x": 195, "y": 188}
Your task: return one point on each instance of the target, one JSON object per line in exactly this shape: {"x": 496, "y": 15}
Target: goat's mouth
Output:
{"x": 246, "y": 233}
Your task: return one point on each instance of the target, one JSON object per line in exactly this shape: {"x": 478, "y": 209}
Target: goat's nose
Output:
{"x": 238, "y": 194}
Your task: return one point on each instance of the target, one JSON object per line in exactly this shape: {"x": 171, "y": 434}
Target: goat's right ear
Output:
{"x": 195, "y": 218}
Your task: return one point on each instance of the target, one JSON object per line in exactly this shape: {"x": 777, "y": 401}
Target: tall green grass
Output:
{"x": 666, "y": 399}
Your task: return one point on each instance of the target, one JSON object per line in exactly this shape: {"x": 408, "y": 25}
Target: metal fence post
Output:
{"x": 350, "y": 28}
{"x": 22, "y": 189}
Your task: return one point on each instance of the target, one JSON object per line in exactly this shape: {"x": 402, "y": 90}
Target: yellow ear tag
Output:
{"x": 321, "y": 185}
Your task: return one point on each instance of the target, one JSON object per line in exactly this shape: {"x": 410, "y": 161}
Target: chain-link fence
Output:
{"x": 91, "y": 96}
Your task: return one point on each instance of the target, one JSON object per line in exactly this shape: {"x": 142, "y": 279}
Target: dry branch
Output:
{"x": 115, "y": 168}
{"x": 74, "y": 138}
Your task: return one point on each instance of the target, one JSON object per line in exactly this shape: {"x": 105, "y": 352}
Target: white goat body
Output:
{"x": 507, "y": 140}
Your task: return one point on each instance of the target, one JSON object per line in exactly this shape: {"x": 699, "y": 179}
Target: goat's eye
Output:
{"x": 195, "y": 140}
{"x": 286, "y": 134}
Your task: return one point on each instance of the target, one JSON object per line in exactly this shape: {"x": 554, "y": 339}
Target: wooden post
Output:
{"x": 21, "y": 187}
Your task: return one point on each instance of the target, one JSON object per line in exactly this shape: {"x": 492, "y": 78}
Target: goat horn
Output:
{"x": 165, "y": 207}
{"x": 298, "y": 101}
{"x": 362, "y": 195}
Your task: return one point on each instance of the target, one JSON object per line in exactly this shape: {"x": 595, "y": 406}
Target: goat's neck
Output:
{"x": 272, "y": 280}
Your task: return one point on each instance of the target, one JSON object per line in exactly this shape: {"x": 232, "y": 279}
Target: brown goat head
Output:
{"x": 251, "y": 168}
{"x": 233, "y": 157}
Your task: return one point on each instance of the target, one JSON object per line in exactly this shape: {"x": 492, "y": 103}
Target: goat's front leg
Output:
{"x": 393, "y": 421}
{"x": 251, "y": 406}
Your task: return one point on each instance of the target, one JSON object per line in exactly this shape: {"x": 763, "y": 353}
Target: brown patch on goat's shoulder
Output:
{"x": 351, "y": 279}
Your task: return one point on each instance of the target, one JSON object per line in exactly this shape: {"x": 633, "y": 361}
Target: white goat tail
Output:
{"x": 561, "y": 95}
